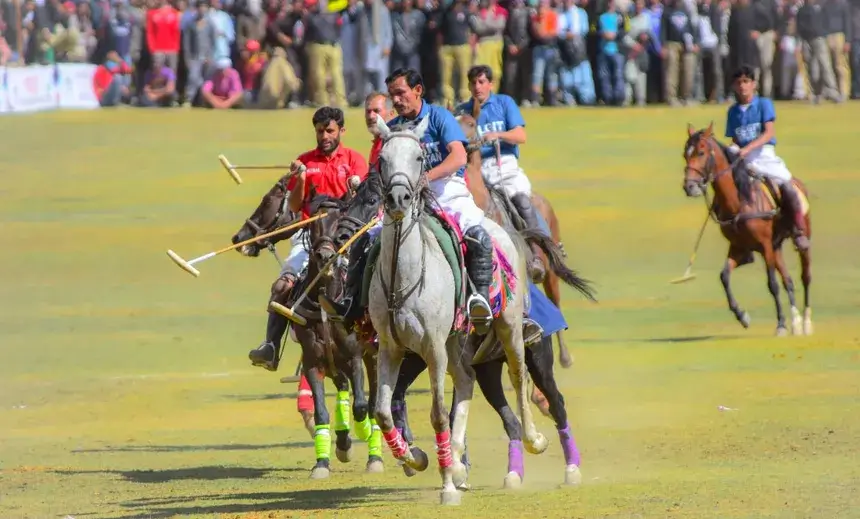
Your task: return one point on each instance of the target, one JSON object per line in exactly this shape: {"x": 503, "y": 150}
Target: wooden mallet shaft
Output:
{"x": 188, "y": 265}
{"x": 231, "y": 169}
{"x": 290, "y": 313}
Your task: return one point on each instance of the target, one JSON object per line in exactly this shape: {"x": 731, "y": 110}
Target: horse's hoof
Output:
{"x": 512, "y": 481}
{"x": 464, "y": 486}
{"x": 807, "y": 327}
{"x": 744, "y": 319}
{"x": 572, "y": 475}
{"x": 409, "y": 471}
{"x": 781, "y": 331}
{"x": 459, "y": 473}
{"x": 450, "y": 497}
{"x": 320, "y": 473}
{"x": 421, "y": 461}
{"x": 566, "y": 361}
{"x": 375, "y": 466}
{"x": 796, "y": 322}
{"x": 343, "y": 456}
{"x": 540, "y": 444}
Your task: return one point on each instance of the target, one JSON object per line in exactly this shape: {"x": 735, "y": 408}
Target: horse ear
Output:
{"x": 690, "y": 130}
{"x": 421, "y": 128}
{"x": 384, "y": 130}
{"x": 710, "y": 130}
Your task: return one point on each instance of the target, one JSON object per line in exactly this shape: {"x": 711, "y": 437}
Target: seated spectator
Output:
{"x": 109, "y": 80}
{"x": 224, "y": 88}
{"x": 253, "y": 63}
{"x": 159, "y": 84}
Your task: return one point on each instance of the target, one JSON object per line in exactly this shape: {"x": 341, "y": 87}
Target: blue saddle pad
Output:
{"x": 542, "y": 223}
{"x": 542, "y": 311}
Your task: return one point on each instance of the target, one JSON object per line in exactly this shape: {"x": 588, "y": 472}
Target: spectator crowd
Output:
{"x": 272, "y": 54}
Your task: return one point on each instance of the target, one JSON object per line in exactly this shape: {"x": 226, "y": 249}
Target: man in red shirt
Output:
{"x": 328, "y": 169}
{"x": 163, "y": 34}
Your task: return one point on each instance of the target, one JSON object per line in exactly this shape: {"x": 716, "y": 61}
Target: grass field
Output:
{"x": 125, "y": 390}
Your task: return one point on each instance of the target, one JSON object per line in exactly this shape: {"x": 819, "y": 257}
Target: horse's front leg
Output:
{"x": 374, "y": 443}
{"x": 411, "y": 367}
{"x": 322, "y": 431}
{"x": 464, "y": 388}
{"x": 437, "y": 364}
{"x": 788, "y": 285}
{"x": 737, "y": 257}
{"x": 773, "y": 287}
{"x": 343, "y": 443}
{"x": 360, "y": 405}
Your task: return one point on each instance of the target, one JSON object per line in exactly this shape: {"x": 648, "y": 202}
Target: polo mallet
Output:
{"x": 688, "y": 274}
{"x": 188, "y": 266}
{"x": 295, "y": 377}
{"x": 231, "y": 169}
{"x": 290, "y": 313}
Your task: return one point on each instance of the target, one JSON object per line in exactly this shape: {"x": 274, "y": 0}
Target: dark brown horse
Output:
{"x": 495, "y": 211}
{"x": 750, "y": 217}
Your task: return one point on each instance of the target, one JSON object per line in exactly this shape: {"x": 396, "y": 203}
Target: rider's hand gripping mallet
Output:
{"x": 188, "y": 266}
{"x": 290, "y": 313}
{"x": 688, "y": 274}
{"x": 231, "y": 169}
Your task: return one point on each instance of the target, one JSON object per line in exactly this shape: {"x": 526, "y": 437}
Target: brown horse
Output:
{"x": 751, "y": 219}
{"x": 495, "y": 212}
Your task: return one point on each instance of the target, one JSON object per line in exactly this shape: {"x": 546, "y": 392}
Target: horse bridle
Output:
{"x": 707, "y": 177}
{"x": 276, "y": 220}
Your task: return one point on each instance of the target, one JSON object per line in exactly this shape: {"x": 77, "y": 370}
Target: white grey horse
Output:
{"x": 412, "y": 306}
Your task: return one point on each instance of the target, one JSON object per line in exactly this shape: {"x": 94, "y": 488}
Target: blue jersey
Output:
{"x": 499, "y": 114}
{"x": 745, "y": 124}
{"x": 442, "y": 130}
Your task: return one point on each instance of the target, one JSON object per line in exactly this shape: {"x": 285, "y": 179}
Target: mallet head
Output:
{"x": 184, "y": 265}
{"x": 230, "y": 169}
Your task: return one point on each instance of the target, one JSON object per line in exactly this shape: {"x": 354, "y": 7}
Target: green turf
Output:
{"x": 125, "y": 390}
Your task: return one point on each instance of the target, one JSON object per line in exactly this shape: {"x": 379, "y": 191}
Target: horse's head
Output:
{"x": 700, "y": 155}
{"x": 401, "y": 164}
{"x": 364, "y": 205}
{"x": 269, "y": 215}
{"x": 468, "y": 125}
{"x": 321, "y": 232}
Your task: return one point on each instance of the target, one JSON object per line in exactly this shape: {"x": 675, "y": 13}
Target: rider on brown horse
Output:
{"x": 499, "y": 119}
{"x": 751, "y": 126}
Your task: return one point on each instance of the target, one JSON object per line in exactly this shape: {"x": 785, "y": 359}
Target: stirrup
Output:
{"x": 336, "y": 311}
{"x": 532, "y": 332}
{"x": 480, "y": 313}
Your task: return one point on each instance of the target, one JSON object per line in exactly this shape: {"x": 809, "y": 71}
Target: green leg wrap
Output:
{"x": 363, "y": 429}
{"x": 322, "y": 441}
{"x": 341, "y": 412}
{"x": 374, "y": 444}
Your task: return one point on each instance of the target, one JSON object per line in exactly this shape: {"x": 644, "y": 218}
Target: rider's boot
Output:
{"x": 479, "y": 263}
{"x": 524, "y": 206}
{"x": 265, "y": 355}
{"x": 792, "y": 199}
{"x": 349, "y": 308}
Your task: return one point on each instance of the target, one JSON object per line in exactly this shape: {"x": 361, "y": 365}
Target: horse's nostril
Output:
{"x": 406, "y": 197}
{"x": 389, "y": 199}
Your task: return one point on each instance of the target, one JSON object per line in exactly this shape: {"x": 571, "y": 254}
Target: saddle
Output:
{"x": 453, "y": 244}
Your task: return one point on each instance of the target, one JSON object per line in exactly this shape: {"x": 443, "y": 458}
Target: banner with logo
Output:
{"x": 31, "y": 89}
{"x": 75, "y": 86}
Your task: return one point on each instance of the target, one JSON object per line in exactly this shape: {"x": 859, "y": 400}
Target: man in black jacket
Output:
{"x": 812, "y": 28}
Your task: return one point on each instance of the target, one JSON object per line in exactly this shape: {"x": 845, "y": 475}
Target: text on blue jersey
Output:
{"x": 499, "y": 113}
{"x": 745, "y": 124}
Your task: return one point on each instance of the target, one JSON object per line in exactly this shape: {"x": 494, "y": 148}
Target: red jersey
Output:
{"x": 375, "y": 150}
{"x": 162, "y": 30}
{"x": 328, "y": 174}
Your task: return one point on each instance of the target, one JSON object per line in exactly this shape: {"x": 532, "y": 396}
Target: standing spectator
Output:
{"x": 764, "y": 35}
{"x": 250, "y": 23}
{"x": 838, "y": 22}
{"x": 325, "y": 57}
{"x": 811, "y": 25}
{"x": 224, "y": 89}
{"x": 121, "y": 30}
{"x": 855, "y": 48}
{"x": 162, "y": 33}
{"x": 544, "y": 36}
{"x": 517, "y": 58}
{"x": 678, "y": 38}
{"x": 490, "y": 22}
{"x": 377, "y": 43}
{"x": 790, "y": 80}
{"x": 655, "y": 52}
{"x": 352, "y": 35}
{"x": 742, "y": 48}
{"x": 455, "y": 52}
{"x": 81, "y": 21}
{"x": 225, "y": 30}
{"x": 408, "y": 25}
{"x": 198, "y": 49}
{"x": 428, "y": 49}
{"x": 710, "y": 23}
{"x": 253, "y": 63}
{"x": 636, "y": 44}
{"x": 577, "y": 82}
{"x": 109, "y": 80}
{"x": 159, "y": 84}
{"x": 610, "y": 60}
{"x": 280, "y": 82}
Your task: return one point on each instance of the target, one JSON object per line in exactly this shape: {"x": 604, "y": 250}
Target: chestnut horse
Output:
{"x": 484, "y": 200}
{"x": 747, "y": 210}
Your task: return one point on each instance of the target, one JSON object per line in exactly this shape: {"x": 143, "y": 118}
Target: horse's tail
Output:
{"x": 556, "y": 262}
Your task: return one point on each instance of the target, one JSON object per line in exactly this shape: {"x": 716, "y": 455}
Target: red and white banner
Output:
{"x": 37, "y": 88}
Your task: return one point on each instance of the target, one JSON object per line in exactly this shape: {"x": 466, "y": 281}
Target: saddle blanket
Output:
{"x": 542, "y": 311}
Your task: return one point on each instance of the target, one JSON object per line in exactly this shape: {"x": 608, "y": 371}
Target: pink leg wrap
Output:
{"x": 443, "y": 449}
{"x": 396, "y": 442}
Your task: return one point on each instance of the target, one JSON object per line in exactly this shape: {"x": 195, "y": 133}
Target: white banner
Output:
{"x": 4, "y": 106}
{"x": 75, "y": 86}
{"x": 30, "y": 89}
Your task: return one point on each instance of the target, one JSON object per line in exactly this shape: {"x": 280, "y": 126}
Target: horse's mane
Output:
{"x": 740, "y": 175}
{"x": 325, "y": 202}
